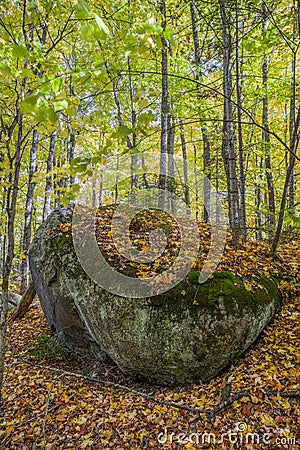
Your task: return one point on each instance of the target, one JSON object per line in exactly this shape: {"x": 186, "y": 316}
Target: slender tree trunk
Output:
{"x": 25, "y": 302}
{"x": 266, "y": 138}
{"x": 28, "y": 211}
{"x": 134, "y": 157}
{"x": 292, "y": 185}
{"x": 204, "y": 130}
{"x": 11, "y": 203}
{"x": 48, "y": 185}
{"x": 117, "y": 183}
{"x": 196, "y": 182}
{"x": 228, "y": 140}
{"x": 171, "y": 184}
{"x": 289, "y": 172}
{"x": 185, "y": 168}
{"x": 258, "y": 202}
{"x": 239, "y": 129}
{"x": 291, "y": 197}
{"x": 131, "y": 143}
{"x": 164, "y": 111}
{"x": 70, "y": 146}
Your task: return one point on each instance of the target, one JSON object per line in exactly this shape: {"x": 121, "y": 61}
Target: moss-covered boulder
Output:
{"x": 188, "y": 334}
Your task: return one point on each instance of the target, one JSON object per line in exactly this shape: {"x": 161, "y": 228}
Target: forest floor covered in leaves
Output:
{"x": 55, "y": 399}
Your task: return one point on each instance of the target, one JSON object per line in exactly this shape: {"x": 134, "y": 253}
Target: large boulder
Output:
{"x": 188, "y": 334}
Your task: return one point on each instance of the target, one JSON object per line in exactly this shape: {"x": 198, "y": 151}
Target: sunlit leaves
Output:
{"x": 57, "y": 84}
{"x": 82, "y": 10}
{"x": 101, "y": 25}
{"x": 87, "y": 31}
{"x": 20, "y": 51}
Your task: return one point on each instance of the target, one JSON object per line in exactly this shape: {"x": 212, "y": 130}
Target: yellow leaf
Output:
{"x": 286, "y": 405}
{"x": 86, "y": 443}
{"x": 190, "y": 446}
{"x": 268, "y": 421}
{"x": 236, "y": 405}
{"x": 9, "y": 430}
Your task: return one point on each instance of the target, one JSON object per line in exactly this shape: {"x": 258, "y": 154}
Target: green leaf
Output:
{"x": 20, "y": 51}
{"x": 82, "y": 10}
{"x": 99, "y": 63}
{"x": 26, "y": 73}
{"x": 145, "y": 118}
{"x": 32, "y": 6}
{"x": 41, "y": 115}
{"x": 101, "y": 25}
{"x": 52, "y": 116}
{"x": 60, "y": 105}
{"x": 122, "y": 131}
{"x": 5, "y": 68}
{"x": 87, "y": 31}
{"x": 57, "y": 85}
{"x": 29, "y": 104}
{"x": 71, "y": 111}
{"x": 153, "y": 27}
{"x": 169, "y": 36}
{"x": 80, "y": 164}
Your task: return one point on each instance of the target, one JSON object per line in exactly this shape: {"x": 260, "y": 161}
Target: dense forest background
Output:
{"x": 213, "y": 82}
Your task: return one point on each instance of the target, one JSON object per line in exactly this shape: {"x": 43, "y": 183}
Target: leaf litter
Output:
{"x": 47, "y": 406}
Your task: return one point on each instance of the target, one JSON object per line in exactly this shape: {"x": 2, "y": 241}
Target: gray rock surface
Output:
{"x": 13, "y": 300}
{"x": 168, "y": 339}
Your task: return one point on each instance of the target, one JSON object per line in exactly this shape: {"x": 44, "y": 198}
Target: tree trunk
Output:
{"x": 132, "y": 144}
{"x": 28, "y": 210}
{"x": 25, "y": 302}
{"x": 296, "y": 29}
{"x": 204, "y": 131}
{"x": 266, "y": 139}
{"x": 48, "y": 185}
{"x": 258, "y": 202}
{"x": 289, "y": 172}
{"x": 196, "y": 182}
{"x": 291, "y": 197}
{"x": 11, "y": 203}
{"x": 228, "y": 139}
{"x": 164, "y": 111}
{"x": 240, "y": 134}
{"x": 185, "y": 168}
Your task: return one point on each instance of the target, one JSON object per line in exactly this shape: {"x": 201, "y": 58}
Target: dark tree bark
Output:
{"x": 28, "y": 210}
{"x": 25, "y": 302}
{"x": 228, "y": 139}
{"x": 11, "y": 203}
{"x": 266, "y": 139}
{"x": 242, "y": 180}
{"x": 164, "y": 111}
{"x": 258, "y": 201}
{"x": 185, "y": 168}
{"x": 204, "y": 130}
{"x": 289, "y": 172}
{"x": 48, "y": 185}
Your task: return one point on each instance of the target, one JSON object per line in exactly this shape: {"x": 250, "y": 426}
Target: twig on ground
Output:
{"x": 209, "y": 412}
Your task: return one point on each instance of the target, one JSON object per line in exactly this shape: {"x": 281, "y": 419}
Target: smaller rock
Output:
{"x": 13, "y": 300}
